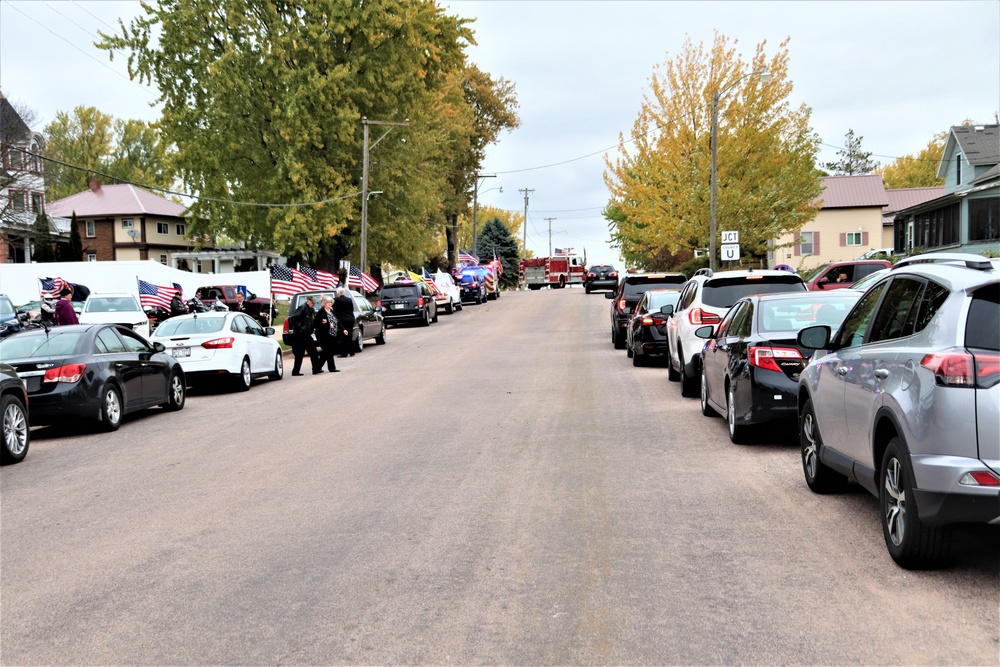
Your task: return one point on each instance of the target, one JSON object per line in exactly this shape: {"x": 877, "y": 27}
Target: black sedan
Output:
{"x": 93, "y": 371}
{"x": 600, "y": 276}
{"x": 751, "y": 362}
{"x": 14, "y": 413}
{"x": 646, "y": 331}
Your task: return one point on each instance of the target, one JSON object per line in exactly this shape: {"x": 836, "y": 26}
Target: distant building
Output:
{"x": 22, "y": 185}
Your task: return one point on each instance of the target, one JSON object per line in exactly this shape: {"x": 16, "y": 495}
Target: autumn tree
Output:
{"x": 853, "y": 159}
{"x": 264, "y": 102}
{"x": 660, "y": 178}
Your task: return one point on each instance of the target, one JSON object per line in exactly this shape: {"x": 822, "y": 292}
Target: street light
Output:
{"x": 713, "y": 262}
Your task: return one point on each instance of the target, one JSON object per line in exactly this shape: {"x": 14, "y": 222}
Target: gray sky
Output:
{"x": 894, "y": 72}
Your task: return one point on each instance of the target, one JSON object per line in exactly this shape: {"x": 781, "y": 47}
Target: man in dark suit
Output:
{"x": 301, "y": 324}
{"x": 343, "y": 310}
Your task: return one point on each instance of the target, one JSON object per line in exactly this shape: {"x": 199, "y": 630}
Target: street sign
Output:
{"x": 731, "y": 237}
{"x": 731, "y": 252}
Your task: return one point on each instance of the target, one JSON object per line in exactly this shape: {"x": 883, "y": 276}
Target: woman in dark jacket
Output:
{"x": 326, "y": 334}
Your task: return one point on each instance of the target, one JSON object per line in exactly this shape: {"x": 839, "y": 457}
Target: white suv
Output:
{"x": 705, "y": 299}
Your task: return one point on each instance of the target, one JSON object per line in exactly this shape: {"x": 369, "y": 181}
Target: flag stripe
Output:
{"x": 151, "y": 296}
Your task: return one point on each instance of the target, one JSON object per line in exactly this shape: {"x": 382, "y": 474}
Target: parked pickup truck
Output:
{"x": 256, "y": 307}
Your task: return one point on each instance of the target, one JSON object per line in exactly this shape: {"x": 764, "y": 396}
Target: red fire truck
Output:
{"x": 557, "y": 272}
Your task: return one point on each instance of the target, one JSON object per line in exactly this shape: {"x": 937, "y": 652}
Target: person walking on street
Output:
{"x": 301, "y": 325}
{"x": 343, "y": 310}
{"x": 326, "y": 332}
{"x": 64, "y": 308}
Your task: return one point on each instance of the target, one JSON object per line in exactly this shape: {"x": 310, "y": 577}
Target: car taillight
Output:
{"x": 987, "y": 370}
{"x": 69, "y": 373}
{"x": 959, "y": 368}
{"x": 768, "y": 357}
{"x": 284, "y": 327}
{"x": 979, "y": 478}
{"x": 753, "y": 277}
{"x": 378, "y": 304}
{"x": 420, "y": 302}
{"x": 219, "y": 343}
{"x": 697, "y": 316}
{"x": 613, "y": 274}
{"x": 648, "y": 321}
{"x": 621, "y": 305}
{"x": 591, "y": 275}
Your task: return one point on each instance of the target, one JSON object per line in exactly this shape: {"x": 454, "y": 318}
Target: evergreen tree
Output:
{"x": 495, "y": 239}
{"x": 853, "y": 161}
{"x": 74, "y": 251}
{"x": 43, "y": 251}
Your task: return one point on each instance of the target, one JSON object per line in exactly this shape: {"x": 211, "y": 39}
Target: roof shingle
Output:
{"x": 853, "y": 192}
{"x": 111, "y": 200}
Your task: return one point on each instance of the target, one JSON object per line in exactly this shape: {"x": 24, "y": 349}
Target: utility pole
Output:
{"x": 524, "y": 248}
{"x": 364, "y": 183}
{"x": 549, "y": 220}
{"x": 475, "y": 208}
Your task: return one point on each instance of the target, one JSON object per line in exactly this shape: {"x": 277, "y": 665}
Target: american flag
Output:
{"x": 52, "y": 286}
{"x": 151, "y": 296}
{"x": 466, "y": 258}
{"x": 326, "y": 279}
{"x": 497, "y": 263}
{"x": 358, "y": 278}
{"x": 288, "y": 281}
{"x": 562, "y": 251}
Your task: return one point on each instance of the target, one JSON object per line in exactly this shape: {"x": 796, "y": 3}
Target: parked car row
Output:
{"x": 895, "y": 387}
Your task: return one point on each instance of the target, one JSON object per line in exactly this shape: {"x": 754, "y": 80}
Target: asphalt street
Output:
{"x": 502, "y": 487}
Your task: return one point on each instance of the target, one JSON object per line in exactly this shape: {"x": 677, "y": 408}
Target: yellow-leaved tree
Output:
{"x": 660, "y": 178}
{"x": 916, "y": 172}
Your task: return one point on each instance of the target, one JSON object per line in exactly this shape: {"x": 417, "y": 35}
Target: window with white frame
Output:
{"x": 853, "y": 238}
{"x": 91, "y": 257}
{"x": 91, "y": 232}
{"x": 806, "y": 243}
{"x": 37, "y": 202}
{"x": 127, "y": 223}
{"x": 180, "y": 230}
{"x": 16, "y": 200}
{"x": 16, "y": 159}
{"x": 162, "y": 228}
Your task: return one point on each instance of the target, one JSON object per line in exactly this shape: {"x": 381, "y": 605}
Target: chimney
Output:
{"x": 95, "y": 185}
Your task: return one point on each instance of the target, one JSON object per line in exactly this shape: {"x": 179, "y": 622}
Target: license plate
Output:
{"x": 179, "y": 352}
{"x": 398, "y": 305}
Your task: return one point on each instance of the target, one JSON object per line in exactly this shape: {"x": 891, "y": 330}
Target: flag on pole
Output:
{"x": 466, "y": 258}
{"x": 288, "y": 281}
{"x": 360, "y": 279}
{"x": 497, "y": 263}
{"x": 52, "y": 286}
{"x": 327, "y": 280}
{"x": 562, "y": 251}
{"x": 151, "y": 296}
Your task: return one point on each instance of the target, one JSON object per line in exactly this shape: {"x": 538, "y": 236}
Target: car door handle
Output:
{"x": 881, "y": 373}
{"x": 842, "y": 371}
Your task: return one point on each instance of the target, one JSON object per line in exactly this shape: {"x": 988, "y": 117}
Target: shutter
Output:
{"x": 795, "y": 240}
{"x": 843, "y": 239}
{"x": 815, "y": 243}
{"x": 864, "y": 239}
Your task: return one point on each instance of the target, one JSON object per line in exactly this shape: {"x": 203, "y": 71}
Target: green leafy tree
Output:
{"x": 43, "y": 250}
{"x": 264, "y": 103}
{"x": 660, "y": 178}
{"x": 82, "y": 137}
{"x": 853, "y": 159}
{"x": 496, "y": 239}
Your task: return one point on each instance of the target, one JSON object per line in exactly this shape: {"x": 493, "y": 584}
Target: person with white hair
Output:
{"x": 326, "y": 333}
{"x": 343, "y": 310}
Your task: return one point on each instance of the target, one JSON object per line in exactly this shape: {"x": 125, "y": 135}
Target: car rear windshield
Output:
{"x": 192, "y": 326}
{"x": 724, "y": 292}
{"x": 52, "y": 344}
{"x": 635, "y": 287}
{"x": 661, "y": 299}
{"x": 6, "y": 307}
{"x": 399, "y": 292}
{"x": 982, "y": 330}
{"x": 112, "y": 304}
{"x": 795, "y": 314}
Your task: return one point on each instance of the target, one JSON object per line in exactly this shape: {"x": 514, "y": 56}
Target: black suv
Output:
{"x": 9, "y": 322}
{"x": 600, "y": 276}
{"x": 629, "y": 291}
{"x": 407, "y": 302}
{"x": 473, "y": 288}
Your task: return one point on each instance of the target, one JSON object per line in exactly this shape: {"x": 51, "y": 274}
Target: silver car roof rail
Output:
{"x": 978, "y": 262}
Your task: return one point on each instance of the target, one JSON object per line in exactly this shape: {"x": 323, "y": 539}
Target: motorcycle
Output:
{"x": 195, "y": 305}
{"x": 156, "y": 316}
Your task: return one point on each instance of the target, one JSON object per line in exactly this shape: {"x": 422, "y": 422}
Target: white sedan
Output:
{"x": 222, "y": 344}
{"x": 116, "y": 308}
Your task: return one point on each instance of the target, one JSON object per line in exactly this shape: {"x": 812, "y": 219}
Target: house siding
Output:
{"x": 832, "y": 225}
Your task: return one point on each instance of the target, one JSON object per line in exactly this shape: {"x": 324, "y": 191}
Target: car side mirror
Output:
{"x": 251, "y": 296}
{"x": 269, "y": 331}
{"x": 667, "y": 309}
{"x": 822, "y": 282}
{"x": 707, "y": 331}
{"x": 159, "y": 347}
{"x": 815, "y": 337}
{"x": 609, "y": 295}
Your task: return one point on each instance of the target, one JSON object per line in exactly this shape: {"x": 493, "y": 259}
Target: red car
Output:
{"x": 838, "y": 275}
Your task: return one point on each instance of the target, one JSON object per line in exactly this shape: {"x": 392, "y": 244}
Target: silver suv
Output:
{"x": 705, "y": 299}
{"x": 906, "y": 402}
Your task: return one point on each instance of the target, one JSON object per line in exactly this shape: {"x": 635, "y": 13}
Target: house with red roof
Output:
{"x": 125, "y": 222}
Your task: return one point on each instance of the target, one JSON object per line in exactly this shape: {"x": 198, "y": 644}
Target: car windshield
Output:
{"x": 796, "y": 314}
{"x": 6, "y": 307}
{"x": 53, "y": 344}
{"x": 110, "y": 304}
{"x": 399, "y": 292}
{"x": 189, "y": 326}
{"x": 724, "y": 292}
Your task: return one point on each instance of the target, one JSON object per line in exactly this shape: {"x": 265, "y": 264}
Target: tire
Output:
{"x": 820, "y": 478}
{"x": 16, "y": 430}
{"x": 458, "y": 306}
{"x": 359, "y": 344}
{"x": 672, "y": 375}
{"x": 637, "y": 359}
{"x": 618, "y": 339}
{"x": 562, "y": 282}
{"x": 449, "y": 309}
{"x": 111, "y": 408}
{"x": 689, "y": 385}
{"x": 244, "y": 379}
{"x": 706, "y": 409}
{"x": 435, "y": 319}
{"x": 737, "y": 433}
{"x": 629, "y": 352}
{"x": 176, "y": 393}
{"x": 425, "y": 321}
{"x": 911, "y": 543}
{"x": 586, "y": 289}
{"x": 279, "y": 367}
{"x": 380, "y": 338}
